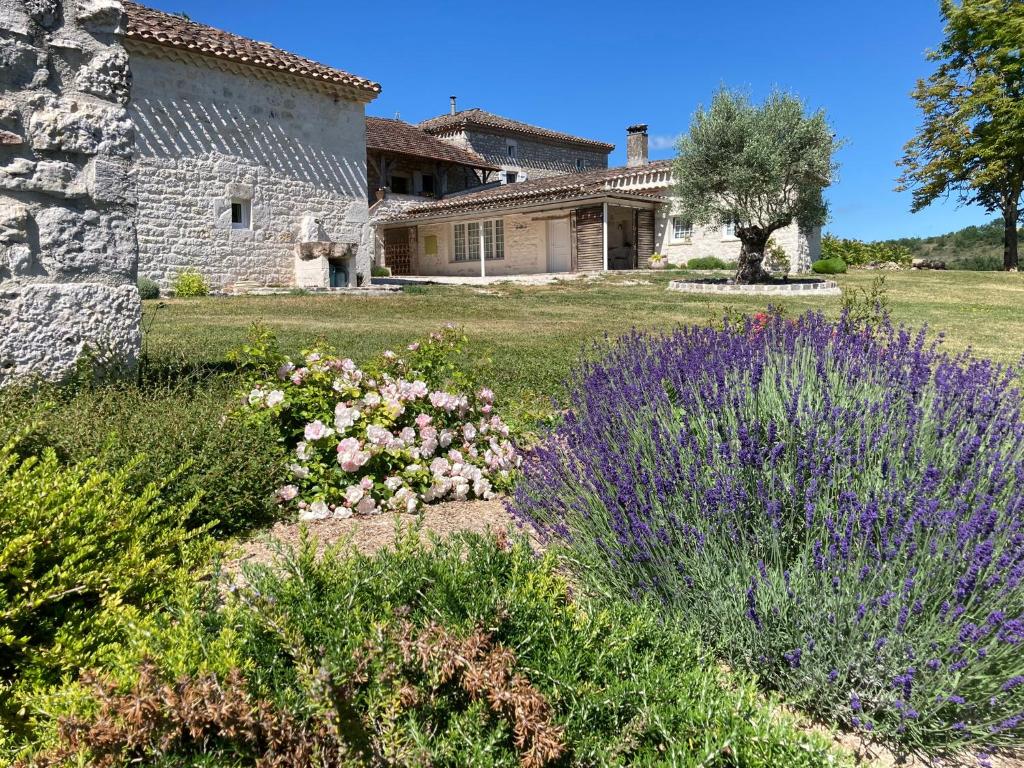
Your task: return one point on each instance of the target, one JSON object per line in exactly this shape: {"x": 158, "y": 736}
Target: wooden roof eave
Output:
{"x": 419, "y": 156}
{"x": 646, "y": 202}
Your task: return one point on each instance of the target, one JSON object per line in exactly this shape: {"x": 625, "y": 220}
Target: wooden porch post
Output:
{"x": 604, "y": 233}
{"x": 483, "y": 260}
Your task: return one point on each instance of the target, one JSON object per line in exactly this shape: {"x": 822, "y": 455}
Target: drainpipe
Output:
{"x": 604, "y": 234}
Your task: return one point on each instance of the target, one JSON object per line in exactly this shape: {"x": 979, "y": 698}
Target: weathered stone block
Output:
{"x": 45, "y": 13}
{"x": 13, "y": 222}
{"x": 20, "y": 64}
{"x": 106, "y": 76}
{"x": 49, "y": 326}
{"x": 16, "y": 259}
{"x": 108, "y": 181}
{"x": 50, "y": 177}
{"x": 70, "y": 125}
{"x": 73, "y": 244}
{"x": 100, "y": 15}
{"x": 10, "y": 139}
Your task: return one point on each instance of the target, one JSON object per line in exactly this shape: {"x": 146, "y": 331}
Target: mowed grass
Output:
{"x": 532, "y": 335}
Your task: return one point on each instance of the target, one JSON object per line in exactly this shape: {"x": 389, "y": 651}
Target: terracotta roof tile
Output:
{"x": 388, "y": 135}
{"x": 178, "y": 32}
{"x": 565, "y": 187}
{"x": 478, "y": 118}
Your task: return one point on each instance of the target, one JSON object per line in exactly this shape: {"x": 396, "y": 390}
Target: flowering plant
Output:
{"x": 837, "y": 508}
{"x": 391, "y": 436}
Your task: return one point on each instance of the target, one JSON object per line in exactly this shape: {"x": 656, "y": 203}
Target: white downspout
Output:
{"x": 604, "y": 234}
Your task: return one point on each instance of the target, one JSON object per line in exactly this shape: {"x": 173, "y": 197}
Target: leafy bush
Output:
{"x": 857, "y": 253}
{"x": 148, "y": 289}
{"x": 470, "y": 652}
{"x": 707, "y": 262}
{"x": 977, "y": 263}
{"x": 235, "y": 465}
{"x": 399, "y": 434}
{"x": 190, "y": 283}
{"x": 829, "y": 267}
{"x": 837, "y": 509}
{"x": 82, "y": 556}
{"x": 378, "y": 271}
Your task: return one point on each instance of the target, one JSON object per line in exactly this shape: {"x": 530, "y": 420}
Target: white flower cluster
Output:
{"x": 386, "y": 443}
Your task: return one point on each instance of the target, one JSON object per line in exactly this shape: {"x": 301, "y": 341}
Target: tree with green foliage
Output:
{"x": 971, "y": 143}
{"x": 757, "y": 167}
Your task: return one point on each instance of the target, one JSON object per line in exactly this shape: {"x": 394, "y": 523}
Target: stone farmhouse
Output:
{"x": 250, "y": 162}
{"x": 571, "y": 213}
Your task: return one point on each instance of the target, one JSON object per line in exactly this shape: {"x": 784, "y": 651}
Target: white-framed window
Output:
{"x": 682, "y": 230}
{"x": 729, "y": 230}
{"x": 468, "y": 238}
{"x": 241, "y": 213}
{"x": 459, "y": 240}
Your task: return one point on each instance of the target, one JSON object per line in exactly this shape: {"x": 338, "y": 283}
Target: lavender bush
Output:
{"x": 838, "y": 510}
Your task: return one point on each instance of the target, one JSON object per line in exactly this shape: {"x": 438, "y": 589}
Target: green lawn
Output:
{"x": 534, "y": 334}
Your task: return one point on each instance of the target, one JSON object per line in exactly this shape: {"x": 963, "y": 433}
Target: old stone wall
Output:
{"x": 538, "y": 159}
{"x": 68, "y": 253}
{"x": 209, "y": 135}
{"x": 801, "y": 248}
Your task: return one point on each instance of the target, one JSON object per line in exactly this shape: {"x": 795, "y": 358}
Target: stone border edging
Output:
{"x": 821, "y": 288}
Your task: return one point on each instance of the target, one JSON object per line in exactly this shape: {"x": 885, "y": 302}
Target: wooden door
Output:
{"x": 398, "y": 251}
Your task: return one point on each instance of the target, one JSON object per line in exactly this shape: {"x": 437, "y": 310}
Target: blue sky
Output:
{"x": 593, "y": 68}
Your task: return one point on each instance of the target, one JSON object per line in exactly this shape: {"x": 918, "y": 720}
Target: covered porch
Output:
{"x": 589, "y": 233}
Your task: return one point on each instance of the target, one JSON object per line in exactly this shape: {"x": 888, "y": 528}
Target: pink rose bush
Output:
{"x": 390, "y": 438}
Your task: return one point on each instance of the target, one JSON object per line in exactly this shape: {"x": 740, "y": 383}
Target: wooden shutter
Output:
{"x": 590, "y": 239}
{"x": 644, "y": 238}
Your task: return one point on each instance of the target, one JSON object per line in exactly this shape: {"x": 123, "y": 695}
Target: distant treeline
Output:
{"x": 976, "y": 247}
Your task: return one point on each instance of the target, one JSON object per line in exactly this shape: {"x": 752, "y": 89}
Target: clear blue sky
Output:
{"x": 593, "y": 68}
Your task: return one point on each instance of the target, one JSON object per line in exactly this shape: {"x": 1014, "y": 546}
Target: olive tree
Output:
{"x": 757, "y": 167}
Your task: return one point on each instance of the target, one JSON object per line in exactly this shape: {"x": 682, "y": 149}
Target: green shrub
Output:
{"x": 235, "y": 465}
{"x": 829, "y": 266}
{"x": 707, "y": 262}
{"x": 190, "y": 283}
{"x": 378, "y": 271}
{"x": 148, "y": 289}
{"x": 81, "y": 557}
{"x": 406, "y": 430}
{"x": 470, "y": 652}
{"x": 857, "y": 253}
{"x": 980, "y": 263}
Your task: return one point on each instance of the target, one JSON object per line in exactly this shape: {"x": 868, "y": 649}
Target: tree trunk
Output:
{"x": 1010, "y": 216}
{"x": 754, "y": 244}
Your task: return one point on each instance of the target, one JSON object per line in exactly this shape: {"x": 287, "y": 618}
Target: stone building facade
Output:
{"x": 68, "y": 254}
{"x": 251, "y": 162}
{"x": 522, "y": 151}
{"x": 594, "y": 220}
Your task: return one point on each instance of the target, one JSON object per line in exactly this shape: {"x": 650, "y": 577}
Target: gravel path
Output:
{"x": 369, "y": 534}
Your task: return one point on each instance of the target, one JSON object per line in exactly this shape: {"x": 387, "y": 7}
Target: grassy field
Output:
{"x": 533, "y": 335}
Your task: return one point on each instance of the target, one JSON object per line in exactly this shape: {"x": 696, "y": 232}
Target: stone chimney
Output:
{"x": 452, "y": 99}
{"x": 636, "y": 145}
